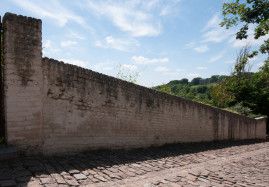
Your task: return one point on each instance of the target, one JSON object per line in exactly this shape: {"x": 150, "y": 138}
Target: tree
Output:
{"x": 245, "y": 13}
{"x": 244, "y": 92}
{"x": 249, "y": 90}
{"x": 196, "y": 81}
{"x": 184, "y": 81}
{"x": 242, "y": 62}
{"x": 127, "y": 74}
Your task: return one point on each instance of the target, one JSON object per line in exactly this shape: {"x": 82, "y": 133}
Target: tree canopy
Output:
{"x": 244, "y": 92}
{"x": 244, "y": 13}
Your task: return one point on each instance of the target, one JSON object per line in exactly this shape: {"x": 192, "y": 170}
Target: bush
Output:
{"x": 241, "y": 109}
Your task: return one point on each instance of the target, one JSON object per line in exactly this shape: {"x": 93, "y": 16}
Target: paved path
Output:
{"x": 214, "y": 164}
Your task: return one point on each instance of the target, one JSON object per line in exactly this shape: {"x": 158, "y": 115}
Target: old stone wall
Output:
{"x": 85, "y": 109}
{"x": 22, "y": 80}
{"x": 58, "y": 108}
{"x": 2, "y": 108}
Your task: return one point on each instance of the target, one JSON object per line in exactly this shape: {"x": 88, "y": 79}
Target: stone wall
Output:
{"x": 59, "y": 108}
{"x": 22, "y": 80}
{"x": 2, "y": 108}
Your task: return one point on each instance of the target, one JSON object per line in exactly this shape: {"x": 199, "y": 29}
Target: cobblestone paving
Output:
{"x": 214, "y": 164}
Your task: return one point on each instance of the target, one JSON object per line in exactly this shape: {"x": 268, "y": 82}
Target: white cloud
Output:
{"x": 201, "y": 68}
{"x": 214, "y": 33}
{"x": 172, "y": 73}
{"x": 77, "y": 62}
{"x": 49, "y": 48}
{"x": 74, "y": 35}
{"x": 169, "y": 8}
{"x": 180, "y": 70}
{"x": 190, "y": 45}
{"x": 192, "y": 75}
{"x": 50, "y": 9}
{"x": 135, "y": 17}
{"x": 130, "y": 67}
{"x": 145, "y": 61}
{"x": 122, "y": 44}
{"x": 216, "y": 36}
{"x": 103, "y": 67}
{"x": 197, "y": 47}
{"x": 250, "y": 41}
{"x": 162, "y": 69}
{"x": 216, "y": 57}
{"x": 229, "y": 61}
{"x": 201, "y": 48}
{"x": 47, "y": 44}
{"x": 68, "y": 43}
{"x": 213, "y": 22}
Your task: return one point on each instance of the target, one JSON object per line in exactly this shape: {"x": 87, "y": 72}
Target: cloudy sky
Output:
{"x": 161, "y": 40}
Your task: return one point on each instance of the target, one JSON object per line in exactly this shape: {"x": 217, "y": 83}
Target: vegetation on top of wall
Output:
{"x": 127, "y": 73}
{"x": 198, "y": 89}
{"x": 252, "y": 90}
{"x": 245, "y": 14}
{"x": 243, "y": 92}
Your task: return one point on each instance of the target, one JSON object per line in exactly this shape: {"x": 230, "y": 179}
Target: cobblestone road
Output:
{"x": 214, "y": 164}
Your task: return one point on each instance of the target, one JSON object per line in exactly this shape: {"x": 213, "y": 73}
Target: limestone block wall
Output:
{"x": 87, "y": 110}
{"x": 53, "y": 107}
{"x": 22, "y": 80}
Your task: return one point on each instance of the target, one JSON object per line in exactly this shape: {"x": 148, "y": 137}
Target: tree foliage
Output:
{"x": 127, "y": 74}
{"x": 244, "y": 13}
{"x": 197, "y": 89}
{"x": 243, "y": 91}
{"x": 250, "y": 90}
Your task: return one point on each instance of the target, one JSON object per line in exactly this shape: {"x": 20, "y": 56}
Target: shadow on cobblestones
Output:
{"x": 105, "y": 165}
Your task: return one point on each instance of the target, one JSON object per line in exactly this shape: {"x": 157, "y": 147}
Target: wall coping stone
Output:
{"x": 155, "y": 93}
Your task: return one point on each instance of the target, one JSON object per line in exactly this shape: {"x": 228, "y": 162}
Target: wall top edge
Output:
{"x": 261, "y": 118}
{"x": 146, "y": 89}
{"x": 11, "y": 16}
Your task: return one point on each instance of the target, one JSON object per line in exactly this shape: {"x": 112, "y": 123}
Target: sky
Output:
{"x": 153, "y": 41}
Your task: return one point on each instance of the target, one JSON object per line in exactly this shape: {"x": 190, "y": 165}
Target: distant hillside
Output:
{"x": 197, "y": 89}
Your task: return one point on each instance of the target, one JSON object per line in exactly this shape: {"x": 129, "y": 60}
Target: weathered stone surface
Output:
{"x": 73, "y": 171}
{"x": 53, "y": 107}
{"x": 72, "y": 182}
{"x": 23, "y": 81}
{"x": 80, "y": 176}
{"x": 47, "y": 180}
{"x": 58, "y": 178}
{"x": 240, "y": 165}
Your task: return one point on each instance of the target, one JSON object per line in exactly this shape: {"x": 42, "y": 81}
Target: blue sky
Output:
{"x": 160, "y": 40}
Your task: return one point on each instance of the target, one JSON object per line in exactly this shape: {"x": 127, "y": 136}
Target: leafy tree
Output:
{"x": 184, "y": 81}
{"x": 198, "y": 89}
{"x": 244, "y": 91}
{"x": 245, "y": 13}
{"x": 222, "y": 95}
{"x": 242, "y": 61}
{"x": 250, "y": 90}
{"x": 127, "y": 74}
{"x": 196, "y": 81}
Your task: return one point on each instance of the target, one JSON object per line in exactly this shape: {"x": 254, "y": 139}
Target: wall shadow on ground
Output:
{"x": 22, "y": 169}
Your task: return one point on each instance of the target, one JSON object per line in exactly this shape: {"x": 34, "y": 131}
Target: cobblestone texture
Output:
{"x": 215, "y": 164}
